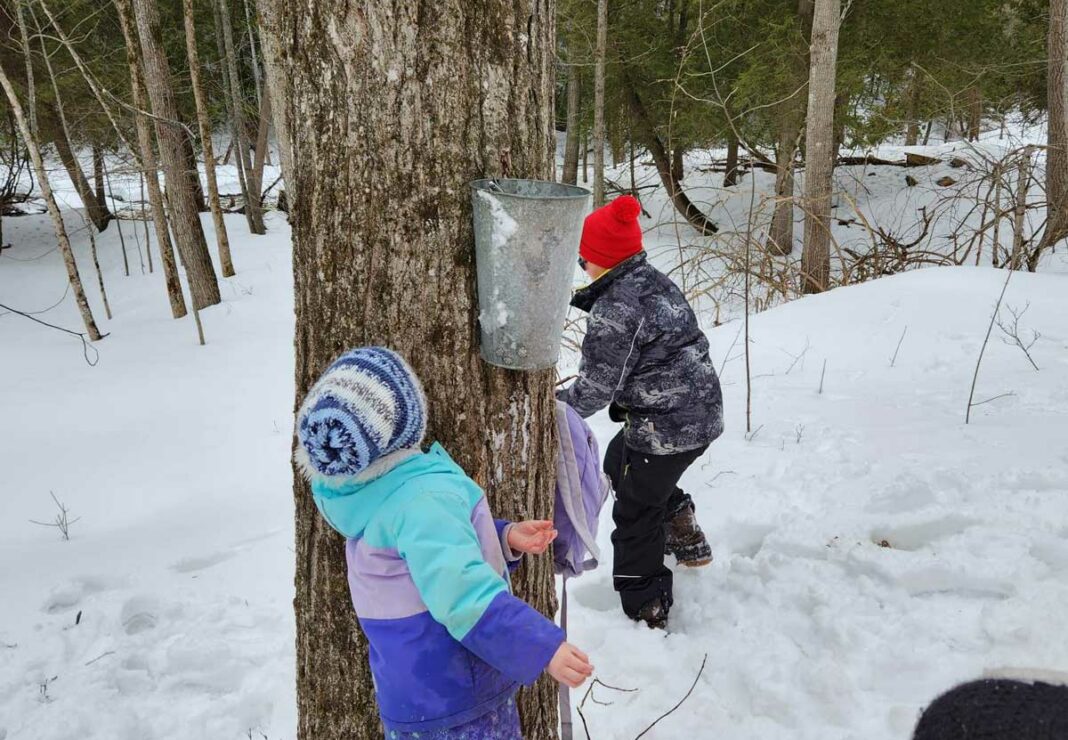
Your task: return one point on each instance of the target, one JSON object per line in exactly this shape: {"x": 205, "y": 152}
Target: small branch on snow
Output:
{"x": 62, "y": 521}
{"x": 822, "y": 374}
{"x": 1012, "y": 333}
{"x": 683, "y": 699}
{"x": 995, "y": 398}
{"x": 99, "y": 657}
{"x": 986, "y": 340}
{"x": 893, "y": 360}
{"x": 589, "y": 695}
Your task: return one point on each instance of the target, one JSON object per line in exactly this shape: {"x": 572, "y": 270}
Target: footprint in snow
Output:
{"x": 915, "y": 536}
{"x": 194, "y": 564}
{"x": 70, "y": 595}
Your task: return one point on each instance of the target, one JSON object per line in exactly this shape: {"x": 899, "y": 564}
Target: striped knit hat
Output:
{"x": 368, "y": 404}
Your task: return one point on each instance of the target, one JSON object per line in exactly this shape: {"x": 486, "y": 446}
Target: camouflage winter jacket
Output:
{"x": 645, "y": 355}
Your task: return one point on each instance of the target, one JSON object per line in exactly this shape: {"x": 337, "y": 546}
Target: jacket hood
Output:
{"x": 348, "y": 503}
{"x": 584, "y": 298}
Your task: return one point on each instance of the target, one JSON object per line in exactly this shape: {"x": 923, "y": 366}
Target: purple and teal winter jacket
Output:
{"x": 429, "y": 581}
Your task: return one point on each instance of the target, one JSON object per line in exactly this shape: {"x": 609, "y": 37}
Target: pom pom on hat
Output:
{"x": 612, "y": 234}
{"x": 366, "y": 405}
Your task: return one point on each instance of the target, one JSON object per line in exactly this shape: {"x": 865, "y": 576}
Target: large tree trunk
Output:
{"x": 185, "y": 218}
{"x": 651, "y": 140}
{"x": 226, "y": 263}
{"x": 253, "y": 210}
{"x": 34, "y": 149}
{"x": 278, "y": 86}
{"x": 571, "y": 143}
{"x": 781, "y": 233}
{"x": 148, "y": 163}
{"x": 383, "y": 253}
{"x": 598, "y": 104}
{"x": 819, "y": 146}
{"x": 1057, "y": 132}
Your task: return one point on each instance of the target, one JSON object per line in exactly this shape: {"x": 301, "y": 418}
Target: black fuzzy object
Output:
{"x": 997, "y": 709}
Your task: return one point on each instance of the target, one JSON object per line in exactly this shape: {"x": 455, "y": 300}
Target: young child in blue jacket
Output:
{"x": 427, "y": 563}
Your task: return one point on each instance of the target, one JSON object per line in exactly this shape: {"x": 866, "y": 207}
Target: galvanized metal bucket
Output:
{"x": 526, "y": 244}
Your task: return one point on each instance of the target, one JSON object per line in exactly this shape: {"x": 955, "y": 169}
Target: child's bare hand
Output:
{"x": 532, "y": 537}
{"x": 570, "y": 666}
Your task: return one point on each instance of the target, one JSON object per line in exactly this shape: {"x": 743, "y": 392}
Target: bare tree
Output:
{"x": 781, "y": 232}
{"x": 253, "y": 208}
{"x": 598, "y": 104}
{"x": 31, "y": 87}
{"x": 53, "y": 208}
{"x": 571, "y": 143}
{"x": 278, "y": 85}
{"x": 393, "y": 264}
{"x": 819, "y": 145}
{"x": 225, "y": 260}
{"x": 185, "y": 217}
{"x": 147, "y": 161}
{"x": 1057, "y": 132}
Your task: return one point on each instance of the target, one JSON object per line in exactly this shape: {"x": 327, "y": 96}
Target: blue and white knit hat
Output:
{"x": 368, "y": 404}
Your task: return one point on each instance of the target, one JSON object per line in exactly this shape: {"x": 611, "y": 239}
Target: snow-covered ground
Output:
{"x": 870, "y": 548}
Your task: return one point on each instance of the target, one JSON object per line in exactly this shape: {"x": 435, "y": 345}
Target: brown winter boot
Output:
{"x": 685, "y": 540}
{"x": 654, "y": 614}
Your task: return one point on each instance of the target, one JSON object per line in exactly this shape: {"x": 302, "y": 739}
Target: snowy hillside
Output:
{"x": 870, "y": 548}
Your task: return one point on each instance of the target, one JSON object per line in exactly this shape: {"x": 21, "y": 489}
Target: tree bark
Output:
{"x": 912, "y": 108}
{"x": 256, "y": 180}
{"x": 1057, "y": 102}
{"x": 385, "y": 145}
{"x": 651, "y": 140}
{"x": 1057, "y": 132}
{"x": 31, "y": 88}
{"x": 34, "y": 149}
{"x": 185, "y": 218}
{"x": 975, "y": 113}
{"x": 278, "y": 86}
{"x": 226, "y": 263}
{"x": 52, "y": 131}
{"x": 253, "y": 211}
{"x": 149, "y": 166}
{"x": 598, "y": 104}
{"x": 571, "y": 143}
{"x": 819, "y": 146}
{"x": 730, "y": 174}
{"x": 98, "y": 176}
{"x": 781, "y": 232}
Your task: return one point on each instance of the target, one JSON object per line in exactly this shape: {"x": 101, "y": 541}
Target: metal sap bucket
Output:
{"x": 526, "y": 244}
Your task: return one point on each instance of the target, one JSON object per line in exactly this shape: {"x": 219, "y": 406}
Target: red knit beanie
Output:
{"x": 612, "y": 233}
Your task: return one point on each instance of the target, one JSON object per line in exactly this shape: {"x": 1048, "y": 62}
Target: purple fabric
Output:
{"x": 488, "y": 536}
{"x": 501, "y": 723}
{"x": 424, "y": 679}
{"x": 379, "y": 583}
{"x": 513, "y": 638}
{"x": 581, "y": 490}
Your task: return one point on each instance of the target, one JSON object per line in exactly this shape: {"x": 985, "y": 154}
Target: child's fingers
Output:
{"x": 579, "y": 665}
{"x": 572, "y": 677}
{"x": 580, "y": 654}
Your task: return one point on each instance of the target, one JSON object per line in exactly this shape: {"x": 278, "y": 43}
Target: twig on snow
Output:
{"x": 683, "y": 699}
{"x": 1012, "y": 333}
{"x": 893, "y": 359}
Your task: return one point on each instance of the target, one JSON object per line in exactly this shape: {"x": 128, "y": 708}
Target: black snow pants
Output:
{"x": 647, "y": 490}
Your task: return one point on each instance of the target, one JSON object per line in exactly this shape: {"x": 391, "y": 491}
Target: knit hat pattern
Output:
{"x": 366, "y": 405}
{"x": 997, "y": 709}
{"x": 612, "y": 234}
